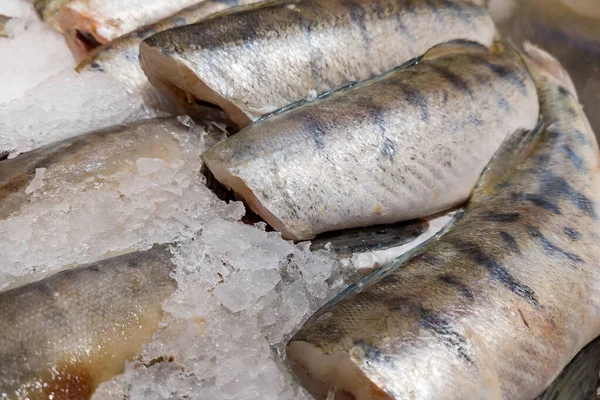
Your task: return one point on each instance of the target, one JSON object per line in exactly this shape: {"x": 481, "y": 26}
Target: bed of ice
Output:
{"x": 242, "y": 291}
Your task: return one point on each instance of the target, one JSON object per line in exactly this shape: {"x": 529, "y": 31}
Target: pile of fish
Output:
{"x": 349, "y": 124}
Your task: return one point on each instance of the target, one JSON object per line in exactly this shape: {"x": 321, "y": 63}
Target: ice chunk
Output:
{"x": 32, "y": 52}
{"x": 66, "y": 105}
{"x": 242, "y": 292}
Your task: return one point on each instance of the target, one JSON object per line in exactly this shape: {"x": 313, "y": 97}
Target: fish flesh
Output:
{"x": 47, "y": 10}
{"x": 88, "y": 24}
{"x": 497, "y": 306}
{"x": 254, "y": 61}
{"x": 75, "y": 160}
{"x": 64, "y": 335}
{"x": 402, "y": 146}
{"x": 120, "y": 58}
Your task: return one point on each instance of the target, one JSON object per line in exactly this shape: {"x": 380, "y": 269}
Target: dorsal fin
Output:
{"x": 513, "y": 152}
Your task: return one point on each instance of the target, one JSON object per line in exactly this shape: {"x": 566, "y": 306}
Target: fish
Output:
{"x": 64, "y": 335}
{"x": 88, "y": 24}
{"x": 497, "y": 305}
{"x": 47, "y": 11}
{"x": 120, "y": 58}
{"x": 254, "y": 61}
{"x": 83, "y": 158}
{"x": 404, "y": 145}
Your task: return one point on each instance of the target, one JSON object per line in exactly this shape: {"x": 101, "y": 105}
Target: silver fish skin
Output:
{"x": 254, "y": 61}
{"x": 87, "y": 24}
{"x": 64, "y": 335}
{"x": 120, "y": 57}
{"x": 402, "y": 146}
{"x": 496, "y": 307}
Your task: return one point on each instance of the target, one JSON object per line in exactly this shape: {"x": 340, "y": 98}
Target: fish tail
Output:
{"x": 545, "y": 62}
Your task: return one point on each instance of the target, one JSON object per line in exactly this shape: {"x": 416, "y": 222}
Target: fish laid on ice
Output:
{"x": 405, "y": 145}
{"x": 88, "y": 24}
{"x": 496, "y": 307}
{"x": 47, "y": 10}
{"x": 120, "y": 58}
{"x": 64, "y": 335}
{"x": 254, "y": 61}
{"x": 82, "y": 158}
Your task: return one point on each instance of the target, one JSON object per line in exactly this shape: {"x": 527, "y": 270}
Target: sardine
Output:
{"x": 64, "y": 335}
{"x": 47, "y": 10}
{"x": 92, "y": 155}
{"x": 497, "y": 306}
{"x": 88, "y": 24}
{"x": 402, "y": 146}
{"x": 119, "y": 58}
{"x": 252, "y": 62}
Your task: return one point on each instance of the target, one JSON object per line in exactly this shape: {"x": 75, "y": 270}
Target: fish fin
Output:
{"x": 513, "y": 152}
{"x": 540, "y": 60}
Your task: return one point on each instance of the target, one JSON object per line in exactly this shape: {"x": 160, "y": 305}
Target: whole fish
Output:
{"x": 47, "y": 10}
{"x": 496, "y": 307}
{"x": 252, "y": 62}
{"x": 405, "y": 145}
{"x": 88, "y": 24}
{"x": 120, "y": 58}
{"x": 64, "y": 335}
{"x": 84, "y": 157}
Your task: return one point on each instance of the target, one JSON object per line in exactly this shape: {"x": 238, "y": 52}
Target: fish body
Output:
{"x": 120, "y": 58}
{"x": 88, "y": 24}
{"x": 402, "y": 146}
{"x": 254, "y": 61}
{"x": 85, "y": 157}
{"x": 64, "y": 335}
{"x": 497, "y": 306}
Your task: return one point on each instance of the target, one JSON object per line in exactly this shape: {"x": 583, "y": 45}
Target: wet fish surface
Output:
{"x": 64, "y": 335}
{"x": 496, "y": 307}
{"x": 88, "y": 24}
{"x": 120, "y": 58}
{"x": 77, "y": 159}
{"x": 254, "y": 61}
{"x": 402, "y": 146}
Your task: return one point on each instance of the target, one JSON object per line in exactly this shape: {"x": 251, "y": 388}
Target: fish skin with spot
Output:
{"x": 255, "y": 61}
{"x": 64, "y": 335}
{"x": 120, "y": 58}
{"x": 405, "y": 332}
{"x": 88, "y": 24}
{"x": 406, "y": 145}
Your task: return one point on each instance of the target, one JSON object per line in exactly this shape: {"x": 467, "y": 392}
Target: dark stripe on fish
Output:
{"x": 456, "y": 81}
{"x": 417, "y": 99}
{"x": 464, "y": 290}
{"x": 572, "y": 233}
{"x": 446, "y": 333}
{"x": 496, "y": 270}
{"x": 510, "y": 241}
{"x": 551, "y": 248}
{"x": 502, "y": 217}
{"x": 575, "y": 158}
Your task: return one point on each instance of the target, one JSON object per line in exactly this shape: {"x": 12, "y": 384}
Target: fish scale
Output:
{"x": 532, "y": 287}
{"x": 383, "y": 150}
